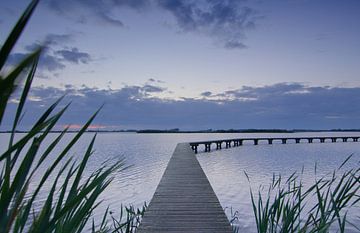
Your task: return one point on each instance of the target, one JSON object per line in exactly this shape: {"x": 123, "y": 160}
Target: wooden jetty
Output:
{"x": 184, "y": 200}
{"x": 239, "y": 141}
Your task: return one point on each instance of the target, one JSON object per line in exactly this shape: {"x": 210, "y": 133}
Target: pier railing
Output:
{"x": 240, "y": 141}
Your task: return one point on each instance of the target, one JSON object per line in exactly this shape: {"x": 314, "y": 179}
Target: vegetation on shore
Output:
{"x": 70, "y": 198}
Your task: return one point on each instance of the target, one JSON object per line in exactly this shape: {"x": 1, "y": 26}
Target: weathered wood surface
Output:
{"x": 184, "y": 200}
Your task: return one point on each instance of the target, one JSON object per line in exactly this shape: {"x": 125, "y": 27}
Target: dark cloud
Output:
{"x": 50, "y": 40}
{"x": 137, "y": 4}
{"x": 224, "y": 20}
{"x": 206, "y": 94}
{"x": 51, "y": 59}
{"x": 46, "y": 62}
{"x": 110, "y": 20}
{"x": 284, "y": 105}
{"x": 73, "y": 55}
{"x": 99, "y": 10}
{"x": 15, "y": 58}
{"x": 152, "y": 80}
{"x": 34, "y": 46}
{"x": 152, "y": 89}
{"x": 58, "y": 39}
{"x": 234, "y": 45}
{"x": 50, "y": 63}
{"x": 183, "y": 11}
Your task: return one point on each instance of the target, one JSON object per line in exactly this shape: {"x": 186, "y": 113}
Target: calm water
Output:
{"x": 149, "y": 154}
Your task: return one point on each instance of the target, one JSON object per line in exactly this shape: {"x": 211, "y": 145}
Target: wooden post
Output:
{"x": 194, "y": 148}
{"x": 207, "y": 147}
{"x": 228, "y": 144}
{"x": 218, "y": 145}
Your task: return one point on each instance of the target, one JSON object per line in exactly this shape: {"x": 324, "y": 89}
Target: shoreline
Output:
{"x": 152, "y": 131}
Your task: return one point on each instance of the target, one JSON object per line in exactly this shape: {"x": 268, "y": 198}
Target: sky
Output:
{"x": 193, "y": 64}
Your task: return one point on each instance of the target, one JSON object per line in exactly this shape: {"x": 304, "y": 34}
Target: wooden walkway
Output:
{"x": 184, "y": 200}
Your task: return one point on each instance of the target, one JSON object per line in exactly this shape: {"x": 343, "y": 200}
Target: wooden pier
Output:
{"x": 239, "y": 141}
{"x": 184, "y": 200}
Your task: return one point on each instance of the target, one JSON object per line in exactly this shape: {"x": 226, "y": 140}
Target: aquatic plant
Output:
{"x": 127, "y": 222}
{"x": 71, "y": 198}
{"x": 285, "y": 206}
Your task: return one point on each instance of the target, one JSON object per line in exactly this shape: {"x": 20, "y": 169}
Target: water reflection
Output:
{"x": 148, "y": 155}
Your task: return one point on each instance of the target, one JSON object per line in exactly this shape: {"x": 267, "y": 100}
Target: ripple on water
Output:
{"x": 148, "y": 155}
{"x": 225, "y": 169}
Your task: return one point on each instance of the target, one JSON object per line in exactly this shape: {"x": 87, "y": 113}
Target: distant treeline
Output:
{"x": 76, "y": 131}
{"x": 176, "y": 130}
{"x": 216, "y": 131}
{"x": 244, "y": 131}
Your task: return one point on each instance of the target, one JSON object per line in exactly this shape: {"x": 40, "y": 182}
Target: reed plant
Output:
{"x": 72, "y": 198}
{"x": 127, "y": 221}
{"x": 289, "y": 206}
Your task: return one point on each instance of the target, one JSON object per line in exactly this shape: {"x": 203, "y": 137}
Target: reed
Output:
{"x": 128, "y": 220}
{"x": 72, "y": 198}
{"x": 285, "y": 206}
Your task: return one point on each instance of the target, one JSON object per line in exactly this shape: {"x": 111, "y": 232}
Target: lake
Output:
{"x": 148, "y": 155}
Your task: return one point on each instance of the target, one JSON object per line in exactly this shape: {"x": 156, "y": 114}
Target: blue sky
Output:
{"x": 196, "y": 64}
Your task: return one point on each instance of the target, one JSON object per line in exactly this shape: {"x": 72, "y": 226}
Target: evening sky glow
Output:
{"x": 197, "y": 64}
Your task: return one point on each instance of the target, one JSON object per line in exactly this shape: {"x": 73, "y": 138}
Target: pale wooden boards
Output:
{"x": 184, "y": 200}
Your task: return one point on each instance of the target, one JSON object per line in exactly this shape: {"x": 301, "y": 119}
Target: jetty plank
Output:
{"x": 184, "y": 200}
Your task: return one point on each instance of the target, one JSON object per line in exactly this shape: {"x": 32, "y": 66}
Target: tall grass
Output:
{"x": 72, "y": 198}
{"x": 287, "y": 205}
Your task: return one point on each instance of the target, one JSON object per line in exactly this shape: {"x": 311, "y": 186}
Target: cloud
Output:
{"x": 234, "y": 45}
{"x": 283, "y": 105}
{"x": 206, "y": 94}
{"x": 226, "y": 21}
{"x": 100, "y": 11}
{"x": 47, "y": 61}
{"x": 50, "y": 63}
{"x": 152, "y": 80}
{"x": 57, "y": 39}
{"x": 51, "y": 40}
{"x": 53, "y": 59}
{"x": 73, "y": 55}
{"x": 110, "y": 20}
{"x": 152, "y": 89}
